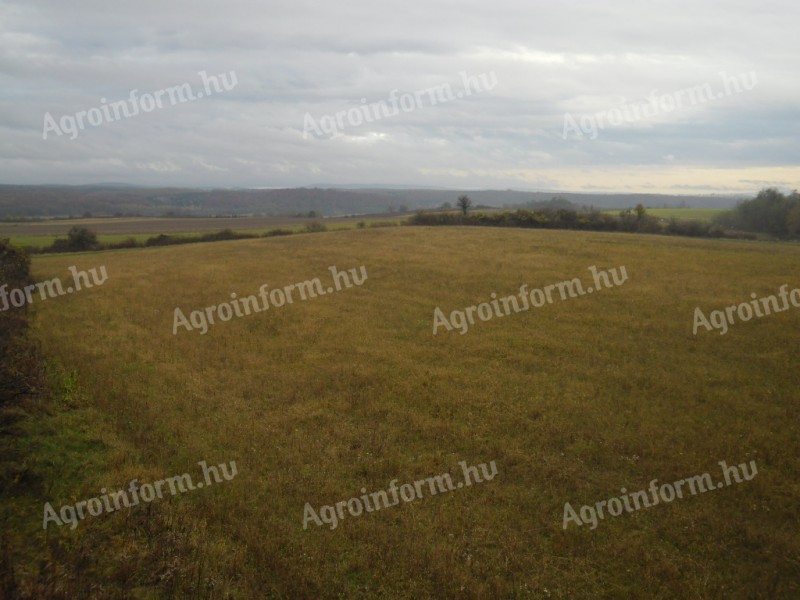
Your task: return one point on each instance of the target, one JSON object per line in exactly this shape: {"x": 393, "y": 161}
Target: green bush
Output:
{"x": 81, "y": 238}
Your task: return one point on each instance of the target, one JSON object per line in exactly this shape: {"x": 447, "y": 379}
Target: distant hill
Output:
{"x": 122, "y": 199}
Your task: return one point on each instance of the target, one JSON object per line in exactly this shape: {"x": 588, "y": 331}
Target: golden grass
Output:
{"x": 318, "y": 399}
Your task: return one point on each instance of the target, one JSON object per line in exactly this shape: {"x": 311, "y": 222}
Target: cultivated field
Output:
{"x": 321, "y": 398}
{"x": 115, "y": 229}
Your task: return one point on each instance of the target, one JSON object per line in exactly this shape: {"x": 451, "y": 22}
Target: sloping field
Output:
{"x": 338, "y": 396}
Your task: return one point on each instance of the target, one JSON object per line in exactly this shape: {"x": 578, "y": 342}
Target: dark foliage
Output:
{"x": 549, "y": 218}
{"x": 79, "y": 239}
{"x": 274, "y": 232}
{"x": 218, "y": 236}
{"x": 19, "y": 368}
{"x": 316, "y": 227}
{"x": 769, "y": 212}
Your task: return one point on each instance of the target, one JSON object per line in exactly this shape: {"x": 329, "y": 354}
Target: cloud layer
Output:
{"x": 293, "y": 60}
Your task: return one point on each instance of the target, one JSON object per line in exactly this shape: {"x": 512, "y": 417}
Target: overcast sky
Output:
{"x": 551, "y": 73}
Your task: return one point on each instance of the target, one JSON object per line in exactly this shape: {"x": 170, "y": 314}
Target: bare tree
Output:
{"x": 464, "y": 203}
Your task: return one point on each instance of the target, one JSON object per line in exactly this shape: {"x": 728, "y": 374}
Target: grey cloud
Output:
{"x": 305, "y": 57}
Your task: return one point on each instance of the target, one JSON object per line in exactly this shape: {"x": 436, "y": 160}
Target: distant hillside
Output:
{"x": 119, "y": 199}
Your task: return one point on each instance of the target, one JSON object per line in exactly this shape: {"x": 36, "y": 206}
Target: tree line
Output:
{"x": 770, "y": 212}
{"x": 631, "y": 221}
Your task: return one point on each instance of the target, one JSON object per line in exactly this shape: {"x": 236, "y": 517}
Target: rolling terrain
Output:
{"x": 122, "y": 200}
{"x": 321, "y": 399}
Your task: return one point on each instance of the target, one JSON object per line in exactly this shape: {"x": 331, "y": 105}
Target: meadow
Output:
{"x": 318, "y": 399}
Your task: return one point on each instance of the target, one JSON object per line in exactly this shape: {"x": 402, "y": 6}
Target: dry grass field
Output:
{"x": 318, "y": 399}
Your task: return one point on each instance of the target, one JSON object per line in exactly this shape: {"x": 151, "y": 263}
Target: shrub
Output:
{"x": 274, "y": 232}
{"x": 434, "y": 218}
{"x": 14, "y": 263}
{"x": 19, "y": 370}
{"x": 78, "y": 239}
{"x": 161, "y": 240}
{"x": 217, "y": 236}
{"x": 58, "y": 245}
{"x": 649, "y": 224}
{"x": 383, "y": 224}
{"x": 129, "y": 242}
{"x": 81, "y": 238}
{"x": 222, "y": 235}
{"x": 315, "y": 227}
{"x": 688, "y": 228}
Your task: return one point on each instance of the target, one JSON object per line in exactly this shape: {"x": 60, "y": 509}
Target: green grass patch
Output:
{"x": 61, "y": 450}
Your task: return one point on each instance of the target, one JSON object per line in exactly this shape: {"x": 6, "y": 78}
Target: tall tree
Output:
{"x": 464, "y": 203}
